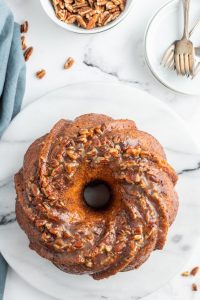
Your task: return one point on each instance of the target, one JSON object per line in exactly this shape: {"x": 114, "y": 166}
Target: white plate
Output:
{"x": 166, "y": 27}
{"x": 119, "y": 101}
{"x": 48, "y": 8}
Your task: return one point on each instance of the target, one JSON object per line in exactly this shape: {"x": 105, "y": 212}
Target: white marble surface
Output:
{"x": 115, "y": 55}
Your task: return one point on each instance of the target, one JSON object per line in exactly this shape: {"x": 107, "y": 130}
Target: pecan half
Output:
{"x": 24, "y": 27}
{"x": 40, "y": 74}
{"x": 28, "y": 53}
{"x": 69, "y": 63}
{"x": 194, "y": 271}
{"x": 194, "y": 287}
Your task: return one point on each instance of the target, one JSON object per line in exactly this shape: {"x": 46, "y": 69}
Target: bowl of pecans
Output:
{"x": 87, "y": 16}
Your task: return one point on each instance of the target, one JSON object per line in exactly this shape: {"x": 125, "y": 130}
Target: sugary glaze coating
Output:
{"x": 60, "y": 225}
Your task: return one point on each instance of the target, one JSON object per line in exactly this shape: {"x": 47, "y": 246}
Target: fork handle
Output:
{"x": 186, "y": 7}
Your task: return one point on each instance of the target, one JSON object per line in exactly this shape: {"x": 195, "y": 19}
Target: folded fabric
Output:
{"x": 12, "y": 84}
{"x": 12, "y": 67}
{"x": 3, "y": 272}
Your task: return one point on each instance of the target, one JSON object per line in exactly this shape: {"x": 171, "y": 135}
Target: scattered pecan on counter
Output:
{"x": 40, "y": 74}
{"x": 28, "y": 53}
{"x": 69, "y": 63}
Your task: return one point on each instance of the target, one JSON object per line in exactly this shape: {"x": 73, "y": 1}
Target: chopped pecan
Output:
{"x": 88, "y": 263}
{"x": 137, "y": 237}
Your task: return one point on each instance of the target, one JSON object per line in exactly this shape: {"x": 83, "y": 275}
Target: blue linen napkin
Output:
{"x": 12, "y": 85}
{"x": 12, "y": 67}
{"x": 3, "y": 272}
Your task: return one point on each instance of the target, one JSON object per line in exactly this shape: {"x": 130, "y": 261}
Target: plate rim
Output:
{"x": 108, "y": 83}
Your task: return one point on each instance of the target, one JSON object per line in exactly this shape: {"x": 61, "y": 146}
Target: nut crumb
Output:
{"x": 88, "y": 263}
{"x": 24, "y": 27}
{"x": 40, "y": 74}
{"x": 108, "y": 248}
{"x": 137, "y": 237}
{"x": 194, "y": 271}
{"x": 69, "y": 63}
{"x": 194, "y": 287}
{"x": 28, "y": 53}
{"x": 185, "y": 274}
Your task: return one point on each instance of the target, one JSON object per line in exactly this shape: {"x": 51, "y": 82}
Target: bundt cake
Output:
{"x": 79, "y": 238}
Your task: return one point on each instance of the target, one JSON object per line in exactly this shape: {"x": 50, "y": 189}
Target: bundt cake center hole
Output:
{"x": 97, "y": 194}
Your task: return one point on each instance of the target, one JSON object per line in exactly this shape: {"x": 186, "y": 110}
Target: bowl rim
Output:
{"x": 76, "y": 29}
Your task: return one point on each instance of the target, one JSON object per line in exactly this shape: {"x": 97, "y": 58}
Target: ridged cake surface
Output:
{"x": 77, "y": 238}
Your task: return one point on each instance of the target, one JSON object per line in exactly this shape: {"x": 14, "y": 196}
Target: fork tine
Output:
{"x": 167, "y": 54}
{"x": 191, "y": 64}
{"x": 182, "y": 64}
{"x": 170, "y": 59}
{"x": 187, "y": 68}
{"x": 196, "y": 70}
{"x": 165, "y": 58}
{"x": 177, "y": 64}
{"x": 172, "y": 64}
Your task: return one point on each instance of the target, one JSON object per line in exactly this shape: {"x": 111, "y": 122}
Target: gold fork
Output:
{"x": 184, "y": 50}
{"x": 168, "y": 57}
{"x": 180, "y": 55}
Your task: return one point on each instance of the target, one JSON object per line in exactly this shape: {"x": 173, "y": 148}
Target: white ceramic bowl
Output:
{"x": 48, "y": 8}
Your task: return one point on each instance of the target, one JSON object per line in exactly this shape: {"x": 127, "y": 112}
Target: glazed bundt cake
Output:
{"x": 75, "y": 236}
